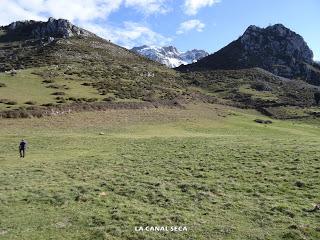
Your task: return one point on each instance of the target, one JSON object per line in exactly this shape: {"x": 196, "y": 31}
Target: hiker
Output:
{"x": 22, "y": 148}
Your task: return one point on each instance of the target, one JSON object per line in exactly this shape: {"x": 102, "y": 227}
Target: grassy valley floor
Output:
{"x": 211, "y": 168}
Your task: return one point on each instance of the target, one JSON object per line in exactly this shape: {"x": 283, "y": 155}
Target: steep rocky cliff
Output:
{"x": 276, "y": 49}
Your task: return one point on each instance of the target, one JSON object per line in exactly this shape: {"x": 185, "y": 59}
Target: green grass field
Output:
{"x": 210, "y": 168}
{"x": 26, "y": 86}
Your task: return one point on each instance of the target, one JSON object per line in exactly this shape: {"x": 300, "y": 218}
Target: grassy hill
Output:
{"x": 208, "y": 167}
{"x": 82, "y": 69}
{"x": 71, "y": 86}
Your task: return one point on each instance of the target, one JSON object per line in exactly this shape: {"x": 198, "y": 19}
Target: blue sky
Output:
{"x": 186, "y": 24}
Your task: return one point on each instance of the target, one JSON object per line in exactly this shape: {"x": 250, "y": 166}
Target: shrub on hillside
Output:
{"x": 317, "y": 97}
{"x": 260, "y": 86}
{"x": 109, "y": 99}
{"x": 71, "y": 99}
{"x": 59, "y": 93}
{"x": 11, "y": 103}
{"x": 263, "y": 121}
{"x": 57, "y": 86}
{"x": 31, "y": 103}
{"x": 48, "y": 105}
{"x": 62, "y": 100}
{"x": 48, "y": 81}
{"x": 91, "y": 99}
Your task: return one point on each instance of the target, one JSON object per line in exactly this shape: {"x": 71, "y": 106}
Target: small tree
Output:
{"x": 317, "y": 97}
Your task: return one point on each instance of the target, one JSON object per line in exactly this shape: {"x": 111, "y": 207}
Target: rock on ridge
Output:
{"x": 56, "y": 28}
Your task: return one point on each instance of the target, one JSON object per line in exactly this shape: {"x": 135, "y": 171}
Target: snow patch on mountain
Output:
{"x": 170, "y": 55}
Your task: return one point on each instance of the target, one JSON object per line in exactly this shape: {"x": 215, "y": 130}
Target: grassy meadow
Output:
{"x": 27, "y": 88}
{"x": 211, "y": 168}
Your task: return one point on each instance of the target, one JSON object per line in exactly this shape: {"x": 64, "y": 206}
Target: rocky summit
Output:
{"x": 53, "y": 28}
{"x": 170, "y": 55}
{"x": 275, "y": 48}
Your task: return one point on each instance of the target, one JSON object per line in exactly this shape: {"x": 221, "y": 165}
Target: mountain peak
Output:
{"x": 275, "y": 48}
{"x": 170, "y": 55}
{"x": 279, "y": 41}
{"x": 56, "y": 28}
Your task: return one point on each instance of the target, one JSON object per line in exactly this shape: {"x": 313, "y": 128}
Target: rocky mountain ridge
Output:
{"x": 170, "y": 55}
{"x": 53, "y": 28}
{"x": 275, "y": 48}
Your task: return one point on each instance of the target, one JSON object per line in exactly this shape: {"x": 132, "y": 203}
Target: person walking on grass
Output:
{"x": 22, "y": 148}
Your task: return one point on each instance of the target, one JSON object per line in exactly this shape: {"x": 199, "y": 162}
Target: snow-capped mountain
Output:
{"x": 170, "y": 55}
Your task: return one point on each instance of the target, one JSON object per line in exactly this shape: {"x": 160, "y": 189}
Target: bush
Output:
{"x": 30, "y": 103}
{"x": 72, "y": 99}
{"x": 2, "y": 85}
{"x": 91, "y": 99}
{"x": 48, "y": 81}
{"x": 62, "y": 101}
{"x": 260, "y": 86}
{"x": 317, "y": 97}
{"x": 15, "y": 114}
{"x": 48, "y": 105}
{"x": 81, "y": 99}
{"x": 57, "y": 86}
{"x": 263, "y": 121}
{"x": 11, "y": 103}
{"x": 109, "y": 99}
{"x": 59, "y": 93}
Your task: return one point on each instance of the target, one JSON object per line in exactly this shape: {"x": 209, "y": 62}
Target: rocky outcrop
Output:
{"x": 170, "y": 56}
{"x": 275, "y": 48}
{"x": 53, "y": 28}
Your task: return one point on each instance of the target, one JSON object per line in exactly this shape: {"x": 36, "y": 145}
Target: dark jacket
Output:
{"x": 23, "y": 145}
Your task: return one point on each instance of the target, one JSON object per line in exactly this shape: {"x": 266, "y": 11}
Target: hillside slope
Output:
{"x": 59, "y": 53}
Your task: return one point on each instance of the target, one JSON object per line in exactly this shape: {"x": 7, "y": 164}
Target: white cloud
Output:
{"x": 91, "y": 15}
{"x": 76, "y": 10}
{"x": 12, "y": 11}
{"x": 84, "y": 11}
{"x": 191, "y": 7}
{"x": 148, "y": 6}
{"x": 130, "y": 34}
{"x": 189, "y": 25}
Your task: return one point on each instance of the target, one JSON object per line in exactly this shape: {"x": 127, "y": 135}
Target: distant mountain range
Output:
{"x": 275, "y": 48}
{"x": 170, "y": 56}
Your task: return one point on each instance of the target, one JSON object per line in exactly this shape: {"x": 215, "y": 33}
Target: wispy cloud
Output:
{"x": 149, "y": 6}
{"x": 81, "y": 10}
{"x": 191, "y": 7}
{"x": 130, "y": 34}
{"x": 189, "y": 25}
